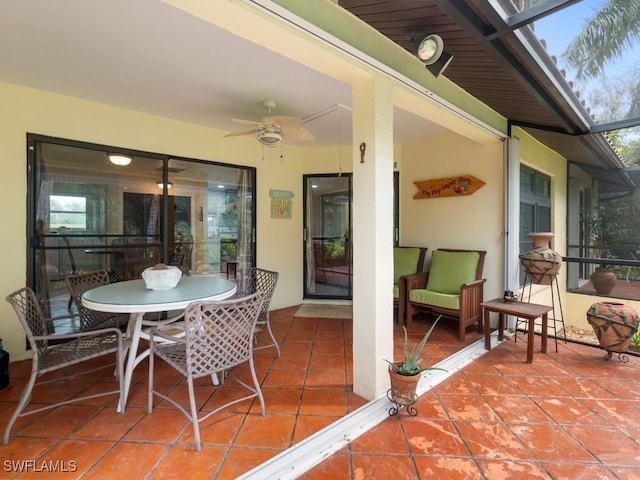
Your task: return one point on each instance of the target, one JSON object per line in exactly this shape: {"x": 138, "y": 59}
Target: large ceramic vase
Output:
{"x": 541, "y": 263}
{"x": 614, "y": 324}
{"x": 403, "y": 387}
{"x": 603, "y": 280}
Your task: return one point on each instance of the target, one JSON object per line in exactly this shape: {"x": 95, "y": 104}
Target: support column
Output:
{"x": 372, "y": 235}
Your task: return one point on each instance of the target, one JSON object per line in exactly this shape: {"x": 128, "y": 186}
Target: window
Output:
{"x": 67, "y": 212}
{"x": 535, "y": 206}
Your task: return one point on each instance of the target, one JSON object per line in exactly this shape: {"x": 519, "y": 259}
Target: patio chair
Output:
{"x": 406, "y": 261}
{"x": 453, "y": 287}
{"x": 69, "y": 349}
{"x": 218, "y": 337}
{"x": 260, "y": 280}
{"x": 91, "y": 319}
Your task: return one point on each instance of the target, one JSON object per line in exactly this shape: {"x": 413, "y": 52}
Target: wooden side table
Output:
{"x": 528, "y": 311}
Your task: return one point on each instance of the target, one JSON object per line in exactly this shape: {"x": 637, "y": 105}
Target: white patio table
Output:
{"x": 134, "y": 298}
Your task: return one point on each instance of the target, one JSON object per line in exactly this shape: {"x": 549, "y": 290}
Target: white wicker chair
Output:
{"x": 54, "y": 352}
{"x": 218, "y": 336}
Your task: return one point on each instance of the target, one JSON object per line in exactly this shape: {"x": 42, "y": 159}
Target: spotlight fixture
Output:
{"x": 429, "y": 48}
{"x": 269, "y": 138}
{"x": 440, "y": 65}
{"x": 120, "y": 160}
{"x": 161, "y": 185}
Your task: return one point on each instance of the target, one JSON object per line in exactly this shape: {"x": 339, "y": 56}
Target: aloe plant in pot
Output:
{"x": 405, "y": 374}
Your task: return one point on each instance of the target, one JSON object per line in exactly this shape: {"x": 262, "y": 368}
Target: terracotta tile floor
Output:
{"x": 569, "y": 415}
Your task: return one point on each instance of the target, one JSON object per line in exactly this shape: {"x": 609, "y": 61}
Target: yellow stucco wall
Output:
{"x": 467, "y": 222}
{"x": 31, "y": 111}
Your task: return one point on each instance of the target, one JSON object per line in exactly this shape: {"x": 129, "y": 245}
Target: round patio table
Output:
{"x": 134, "y": 298}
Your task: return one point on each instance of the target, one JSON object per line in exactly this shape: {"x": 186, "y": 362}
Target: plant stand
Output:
{"x": 411, "y": 410}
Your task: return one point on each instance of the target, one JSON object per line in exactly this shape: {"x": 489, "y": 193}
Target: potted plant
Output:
{"x": 405, "y": 374}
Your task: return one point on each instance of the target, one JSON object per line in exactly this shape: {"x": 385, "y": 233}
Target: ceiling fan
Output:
{"x": 273, "y": 129}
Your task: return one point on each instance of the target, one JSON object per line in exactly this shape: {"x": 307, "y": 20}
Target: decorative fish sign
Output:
{"x": 448, "y": 187}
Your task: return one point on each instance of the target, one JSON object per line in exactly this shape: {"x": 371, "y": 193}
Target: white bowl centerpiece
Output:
{"x": 161, "y": 277}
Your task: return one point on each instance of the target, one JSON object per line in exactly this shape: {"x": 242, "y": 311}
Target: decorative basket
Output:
{"x": 161, "y": 278}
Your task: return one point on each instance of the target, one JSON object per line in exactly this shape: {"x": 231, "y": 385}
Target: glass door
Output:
{"x": 327, "y": 236}
{"x": 86, "y": 213}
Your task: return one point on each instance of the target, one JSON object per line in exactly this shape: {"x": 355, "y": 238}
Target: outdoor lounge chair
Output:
{"x": 406, "y": 260}
{"x": 453, "y": 287}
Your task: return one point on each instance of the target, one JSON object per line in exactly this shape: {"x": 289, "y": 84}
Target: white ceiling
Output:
{"x": 148, "y": 56}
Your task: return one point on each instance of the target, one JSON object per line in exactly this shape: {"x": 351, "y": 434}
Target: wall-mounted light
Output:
{"x": 118, "y": 159}
{"x": 161, "y": 185}
{"x": 429, "y": 49}
{"x": 440, "y": 65}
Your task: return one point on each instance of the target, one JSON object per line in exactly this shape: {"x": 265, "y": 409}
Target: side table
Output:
{"x": 528, "y": 311}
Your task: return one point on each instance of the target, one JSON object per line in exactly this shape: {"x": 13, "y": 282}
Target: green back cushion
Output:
{"x": 405, "y": 261}
{"x": 449, "y": 270}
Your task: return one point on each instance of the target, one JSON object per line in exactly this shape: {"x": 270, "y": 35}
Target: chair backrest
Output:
{"x": 261, "y": 280}
{"x": 451, "y": 268}
{"x": 407, "y": 260}
{"x": 25, "y": 304}
{"x": 78, "y": 284}
{"x": 219, "y": 336}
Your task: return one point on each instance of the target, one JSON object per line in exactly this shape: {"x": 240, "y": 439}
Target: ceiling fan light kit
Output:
{"x": 269, "y": 139}
{"x": 272, "y": 130}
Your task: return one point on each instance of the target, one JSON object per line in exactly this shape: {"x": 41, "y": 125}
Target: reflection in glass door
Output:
{"x": 86, "y": 213}
{"x": 327, "y": 236}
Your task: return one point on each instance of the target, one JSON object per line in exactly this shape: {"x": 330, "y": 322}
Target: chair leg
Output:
{"x": 461, "y": 330}
{"x": 409, "y": 313}
{"x": 25, "y": 397}
{"x": 150, "y": 397}
{"x": 273, "y": 343}
{"x": 194, "y": 413}
{"x": 257, "y": 386}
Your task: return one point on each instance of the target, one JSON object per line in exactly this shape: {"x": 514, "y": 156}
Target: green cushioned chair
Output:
{"x": 453, "y": 287}
{"x": 406, "y": 261}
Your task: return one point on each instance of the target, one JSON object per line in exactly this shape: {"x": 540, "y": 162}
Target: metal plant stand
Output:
{"x": 411, "y": 410}
{"x": 555, "y": 295}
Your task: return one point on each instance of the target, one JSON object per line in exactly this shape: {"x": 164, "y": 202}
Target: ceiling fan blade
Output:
{"x": 243, "y": 132}
{"x": 248, "y": 122}
{"x": 299, "y": 135}
{"x": 285, "y": 123}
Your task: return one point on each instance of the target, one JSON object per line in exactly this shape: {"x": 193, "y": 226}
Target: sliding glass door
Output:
{"x": 327, "y": 236}
{"x": 86, "y": 213}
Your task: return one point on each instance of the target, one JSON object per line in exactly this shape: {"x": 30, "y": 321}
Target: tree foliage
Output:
{"x": 610, "y": 33}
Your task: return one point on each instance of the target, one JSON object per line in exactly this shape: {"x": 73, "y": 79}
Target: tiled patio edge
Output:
{"x": 301, "y": 457}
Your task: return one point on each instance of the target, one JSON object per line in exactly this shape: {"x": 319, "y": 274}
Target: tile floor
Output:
{"x": 569, "y": 415}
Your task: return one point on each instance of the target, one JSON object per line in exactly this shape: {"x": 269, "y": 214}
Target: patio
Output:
{"x": 568, "y": 415}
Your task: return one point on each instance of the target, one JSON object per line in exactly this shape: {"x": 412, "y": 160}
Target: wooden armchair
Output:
{"x": 406, "y": 261}
{"x": 453, "y": 287}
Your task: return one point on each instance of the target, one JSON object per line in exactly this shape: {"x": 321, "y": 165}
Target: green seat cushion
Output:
{"x": 405, "y": 262}
{"x": 449, "y": 270}
{"x": 396, "y": 291}
{"x": 428, "y": 297}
